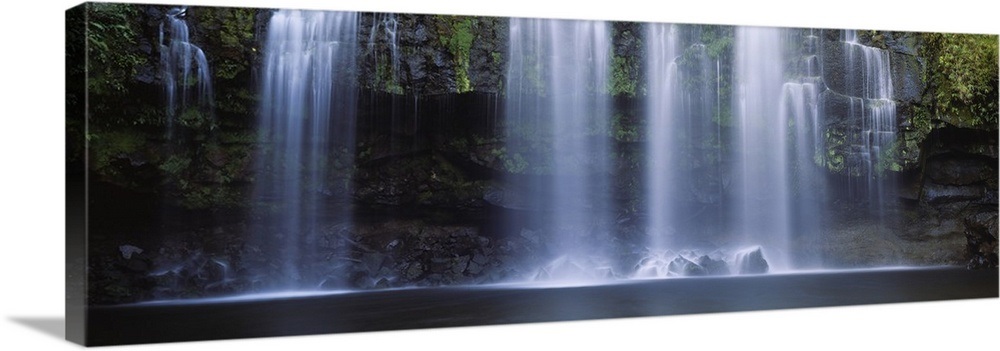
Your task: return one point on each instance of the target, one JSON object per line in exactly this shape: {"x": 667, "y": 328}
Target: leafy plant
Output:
{"x": 622, "y": 73}
{"x": 962, "y": 74}
{"x": 111, "y": 43}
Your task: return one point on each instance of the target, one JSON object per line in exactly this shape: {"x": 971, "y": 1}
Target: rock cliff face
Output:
{"x": 432, "y": 54}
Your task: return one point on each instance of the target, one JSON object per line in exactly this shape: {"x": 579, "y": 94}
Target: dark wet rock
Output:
{"x": 907, "y": 86}
{"x": 937, "y": 194}
{"x": 372, "y": 262}
{"x": 383, "y": 283}
{"x": 480, "y": 258}
{"x": 933, "y": 226}
{"x": 713, "y": 266}
{"x": 360, "y": 280}
{"x": 440, "y": 265}
{"x": 959, "y": 170}
{"x": 488, "y": 55}
{"x": 963, "y": 141}
{"x": 459, "y": 264}
{"x": 137, "y": 265}
{"x": 474, "y": 268}
{"x": 413, "y": 271}
{"x": 681, "y": 266}
{"x": 835, "y": 66}
{"x": 751, "y": 262}
{"x": 981, "y": 235}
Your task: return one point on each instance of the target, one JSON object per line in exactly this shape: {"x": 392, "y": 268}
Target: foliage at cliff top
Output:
{"x": 111, "y": 43}
{"x": 962, "y": 73}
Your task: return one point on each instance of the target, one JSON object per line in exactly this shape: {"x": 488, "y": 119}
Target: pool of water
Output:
{"x": 319, "y": 312}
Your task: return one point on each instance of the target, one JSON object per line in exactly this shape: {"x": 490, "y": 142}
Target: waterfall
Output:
{"x": 556, "y": 99}
{"x": 662, "y": 134}
{"x": 682, "y": 101}
{"x": 183, "y": 65}
{"x": 869, "y": 84}
{"x": 307, "y": 115}
{"x": 763, "y": 208}
{"x": 386, "y": 81}
{"x": 385, "y": 27}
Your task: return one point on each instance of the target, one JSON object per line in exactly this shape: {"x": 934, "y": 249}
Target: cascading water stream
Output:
{"x": 679, "y": 114}
{"x": 558, "y": 71}
{"x": 307, "y": 117}
{"x": 763, "y": 208}
{"x": 183, "y": 65}
{"x": 385, "y": 25}
{"x": 869, "y": 81}
{"x": 663, "y": 121}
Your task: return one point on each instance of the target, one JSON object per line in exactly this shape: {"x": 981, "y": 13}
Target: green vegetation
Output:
{"x": 962, "y": 75}
{"x": 111, "y": 48}
{"x": 718, "y": 41}
{"x": 386, "y": 75}
{"x": 623, "y": 71}
{"x": 175, "y": 165}
{"x": 511, "y": 162}
{"x": 834, "y": 158}
{"x": 231, "y": 46}
{"x": 625, "y": 128}
{"x": 231, "y": 38}
{"x": 106, "y": 148}
{"x": 456, "y": 34}
{"x": 889, "y": 159}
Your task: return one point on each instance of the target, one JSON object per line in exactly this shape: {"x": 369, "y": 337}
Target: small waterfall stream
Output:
{"x": 869, "y": 81}
{"x": 183, "y": 65}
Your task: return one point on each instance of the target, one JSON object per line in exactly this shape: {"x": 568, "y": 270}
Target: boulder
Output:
{"x": 128, "y": 250}
{"x": 683, "y": 267}
{"x": 981, "y": 236}
{"x": 751, "y": 261}
{"x": 713, "y": 266}
{"x": 372, "y": 262}
{"x": 413, "y": 271}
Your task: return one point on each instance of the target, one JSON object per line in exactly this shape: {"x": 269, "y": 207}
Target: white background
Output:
{"x": 31, "y": 195}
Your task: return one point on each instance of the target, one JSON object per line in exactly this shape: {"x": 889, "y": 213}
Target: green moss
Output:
{"x": 175, "y": 165}
{"x": 238, "y": 100}
{"x": 232, "y": 40}
{"x": 192, "y": 118}
{"x": 456, "y": 33}
{"x": 386, "y": 76}
{"x": 107, "y": 147}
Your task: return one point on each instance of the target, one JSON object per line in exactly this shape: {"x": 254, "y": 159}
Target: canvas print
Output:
{"x": 248, "y": 172}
